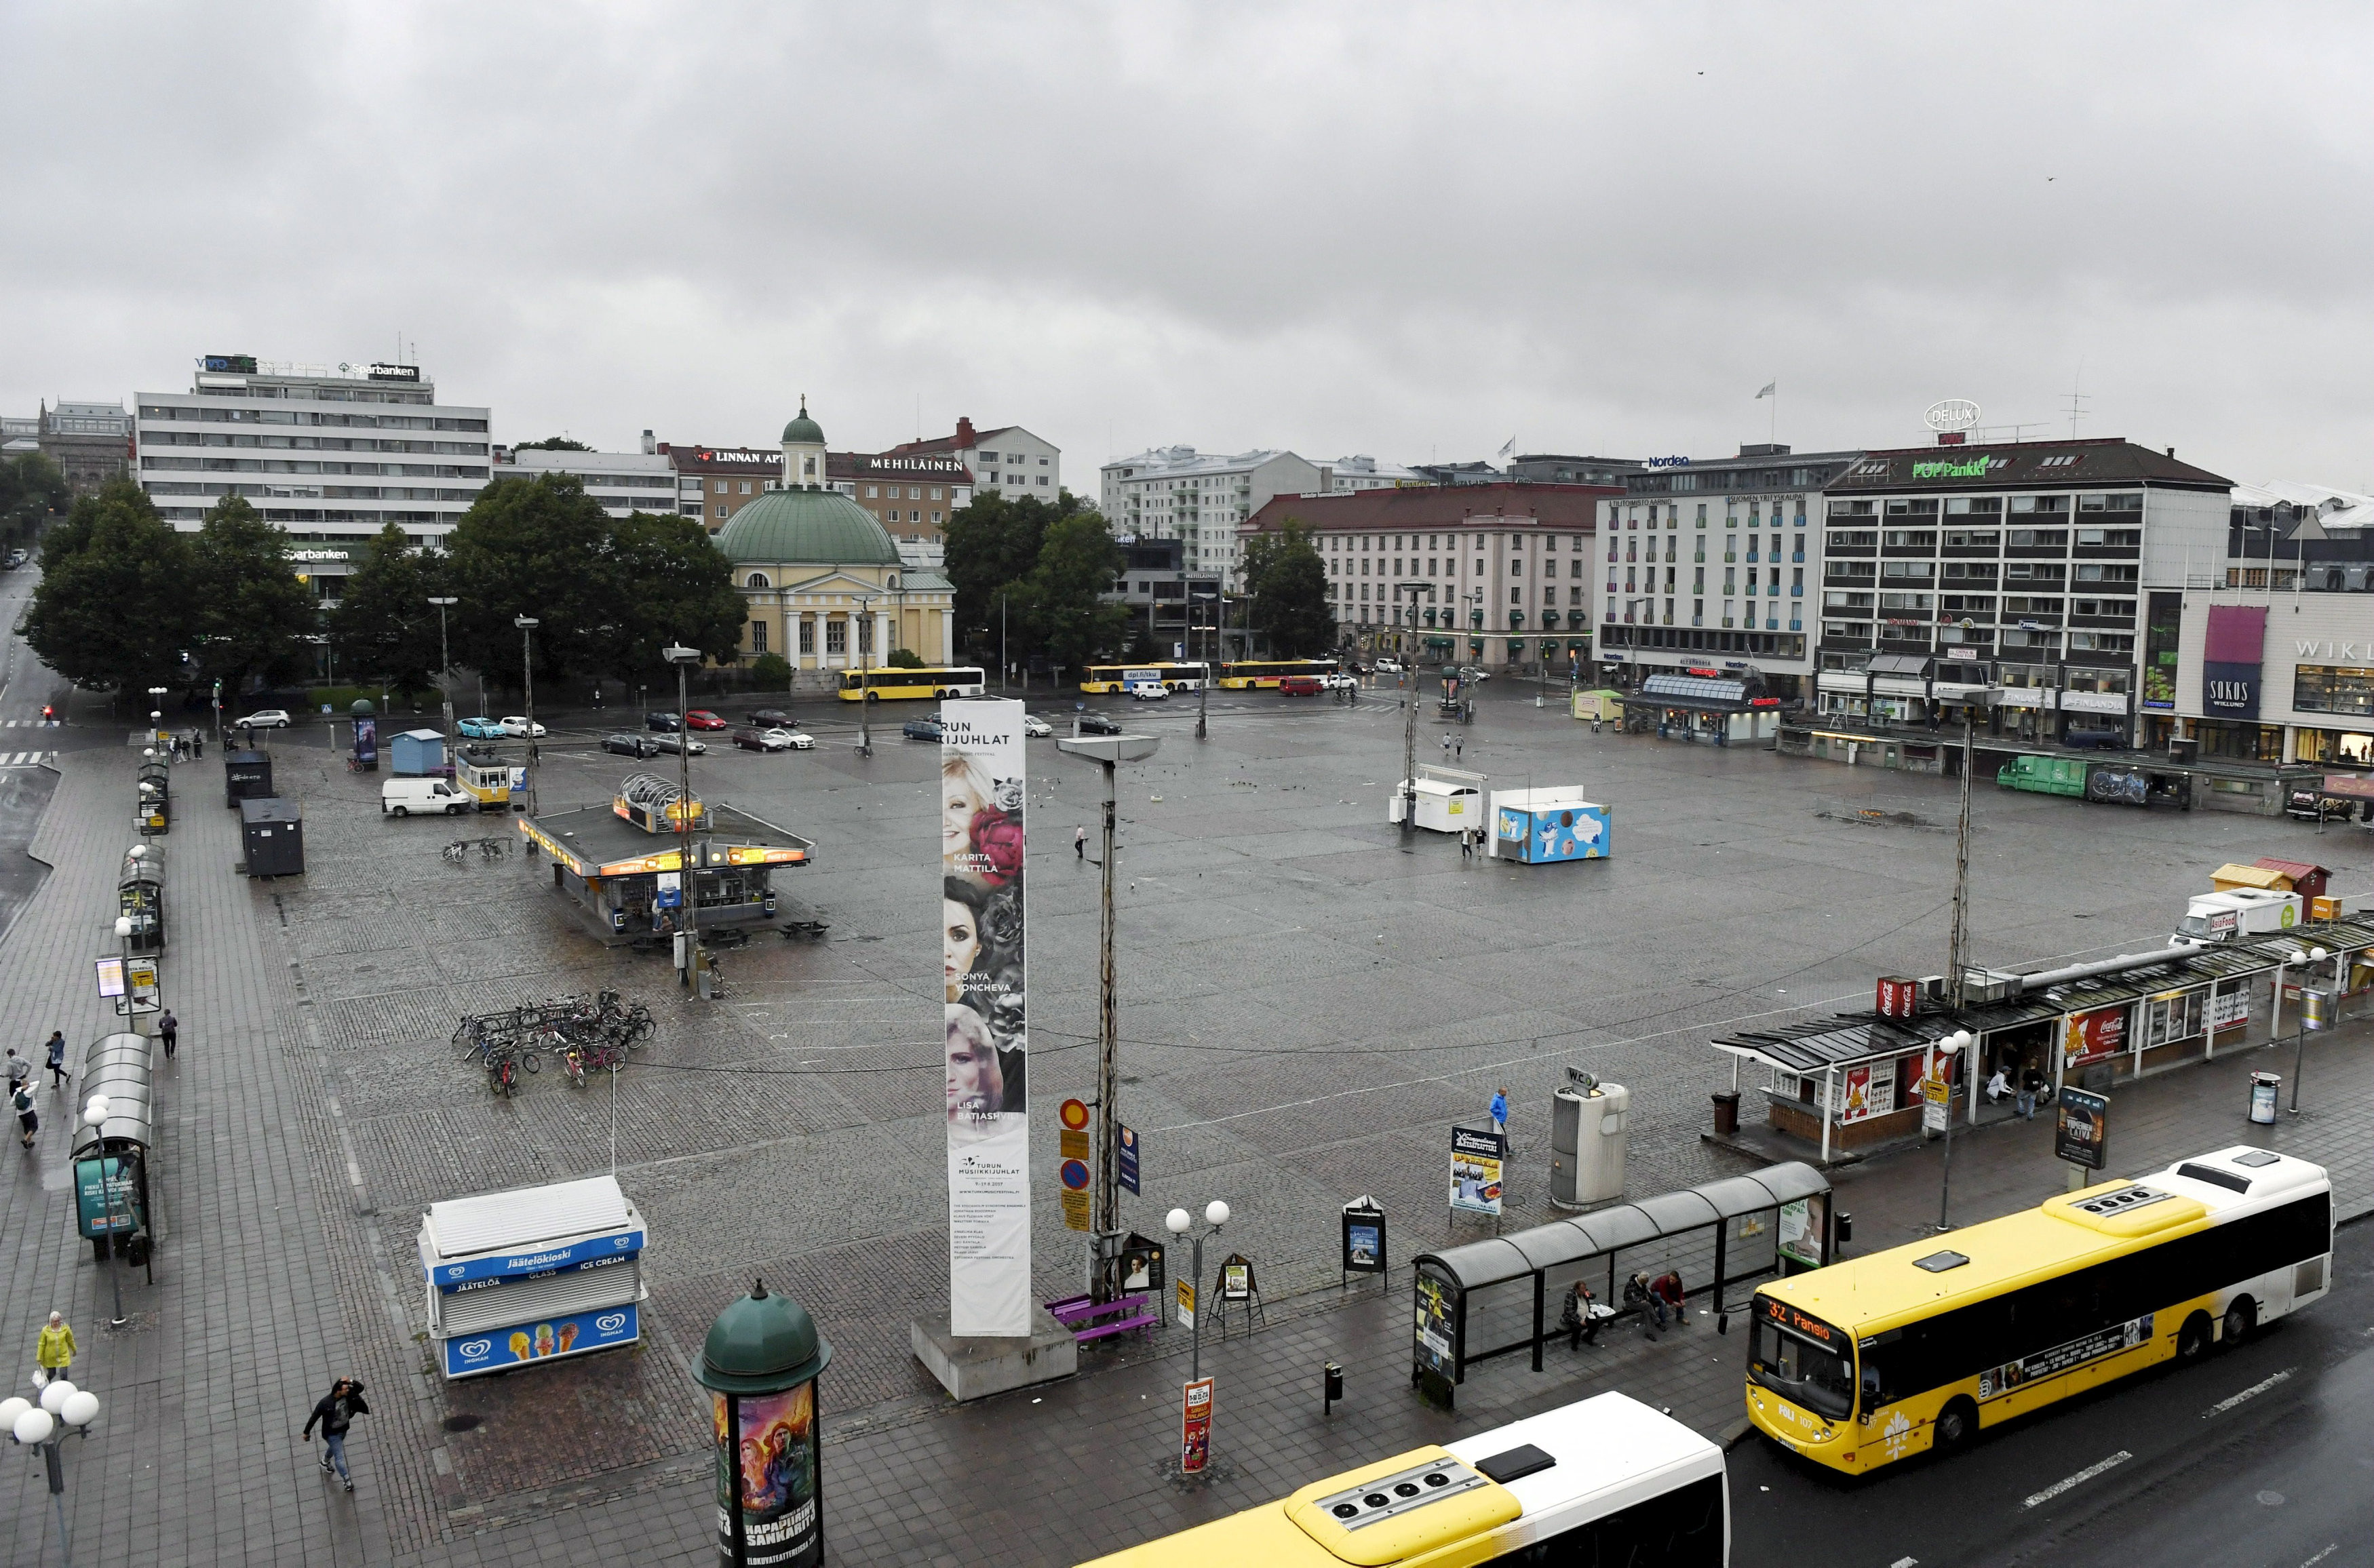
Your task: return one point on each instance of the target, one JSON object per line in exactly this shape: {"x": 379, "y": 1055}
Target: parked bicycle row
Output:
{"x": 583, "y": 1034}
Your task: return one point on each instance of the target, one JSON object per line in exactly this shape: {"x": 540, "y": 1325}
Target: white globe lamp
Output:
{"x": 33, "y": 1426}
{"x": 1177, "y": 1221}
{"x": 80, "y": 1410}
{"x": 54, "y": 1397}
{"x": 1215, "y": 1212}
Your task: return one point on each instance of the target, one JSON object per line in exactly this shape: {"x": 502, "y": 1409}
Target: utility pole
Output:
{"x": 684, "y": 659}
{"x": 1203, "y": 687}
{"x": 1409, "y": 726}
{"x": 864, "y": 629}
{"x": 1104, "y": 1216}
{"x": 445, "y": 667}
{"x": 527, "y": 625}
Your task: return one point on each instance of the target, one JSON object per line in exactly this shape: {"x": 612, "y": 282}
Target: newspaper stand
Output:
{"x": 532, "y": 1274}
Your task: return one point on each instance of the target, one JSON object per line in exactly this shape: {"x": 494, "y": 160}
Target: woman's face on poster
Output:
{"x": 958, "y": 803}
{"x": 960, "y": 946}
{"x": 976, "y": 1087}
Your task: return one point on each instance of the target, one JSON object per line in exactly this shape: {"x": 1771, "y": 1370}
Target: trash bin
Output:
{"x": 2316, "y": 1009}
{"x": 1726, "y": 1113}
{"x": 2263, "y": 1096}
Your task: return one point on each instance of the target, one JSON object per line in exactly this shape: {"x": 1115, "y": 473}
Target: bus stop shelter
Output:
{"x": 1492, "y": 1297}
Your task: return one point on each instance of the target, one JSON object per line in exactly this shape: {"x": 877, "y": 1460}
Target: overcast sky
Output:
{"x": 1411, "y": 232}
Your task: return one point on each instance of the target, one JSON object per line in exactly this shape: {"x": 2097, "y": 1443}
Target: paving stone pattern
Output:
{"x": 1308, "y": 1002}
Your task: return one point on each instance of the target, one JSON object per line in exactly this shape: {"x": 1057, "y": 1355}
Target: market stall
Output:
{"x": 532, "y": 1274}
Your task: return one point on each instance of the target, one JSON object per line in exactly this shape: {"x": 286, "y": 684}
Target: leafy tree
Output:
{"x": 252, "y": 616}
{"x": 993, "y": 544}
{"x": 904, "y": 658}
{"x": 552, "y": 444}
{"x": 31, "y": 489}
{"x": 1068, "y": 620}
{"x": 771, "y": 672}
{"x": 384, "y": 625}
{"x": 114, "y": 606}
{"x": 1288, "y": 581}
{"x": 609, "y": 593}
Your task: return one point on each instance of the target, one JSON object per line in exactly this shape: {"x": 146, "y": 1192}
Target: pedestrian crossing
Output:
{"x": 28, "y": 723}
{"x": 26, "y": 759}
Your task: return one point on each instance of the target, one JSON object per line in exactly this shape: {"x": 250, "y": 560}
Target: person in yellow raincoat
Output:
{"x": 55, "y": 1353}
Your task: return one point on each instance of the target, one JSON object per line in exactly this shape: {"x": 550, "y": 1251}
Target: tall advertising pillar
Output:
{"x": 981, "y": 793}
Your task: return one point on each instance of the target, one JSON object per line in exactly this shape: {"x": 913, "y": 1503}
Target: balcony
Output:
{"x": 1796, "y": 591}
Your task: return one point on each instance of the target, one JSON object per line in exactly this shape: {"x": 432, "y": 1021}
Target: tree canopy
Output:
{"x": 1068, "y": 620}
{"x": 31, "y": 488}
{"x": 992, "y": 546}
{"x": 1291, "y": 602}
{"x": 384, "y": 625}
{"x": 114, "y": 606}
{"x": 552, "y": 444}
{"x": 251, "y": 616}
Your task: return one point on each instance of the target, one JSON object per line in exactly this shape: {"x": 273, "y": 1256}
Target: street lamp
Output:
{"x": 444, "y": 667}
{"x": 94, "y": 1116}
{"x": 527, "y": 625}
{"x": 155, "y": 713}
{"x": 1959, "y": 1041}
{"x": 1203, "y": 687}
{"x": 42, "y": 1427}
{"x": 1178, "y": 1222}
{"x": 864, "y": 630}
{"x": 1108, "y": 752}
{"x": 1407, "y": 680}
{"x": 684, "y": 659}
{"x": 2300, "y": 1052}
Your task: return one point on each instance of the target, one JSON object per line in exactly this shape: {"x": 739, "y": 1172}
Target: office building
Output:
{"x": 90, "y": 442}
{"x": 1008, "y": 461}
{"x": 1361, "y": 471}
{"x": 330, "y": 452}
{"x": 1174, "y": 611}
{"x": 1202, "y": 498}
{"x": 1711, "y": 563}
{"x": 911, "y": 494}
{"x": 2052, "y": 571}
{"x": 1495, "y": 575}
{"x": 713, "y": 483}
{"x": 1555, "y": 468}
{"x": 622, "y": 482}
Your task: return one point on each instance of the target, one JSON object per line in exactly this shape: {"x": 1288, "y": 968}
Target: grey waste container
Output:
{"x": 272, "y": 835}
{"x": 2264, "y": 1086}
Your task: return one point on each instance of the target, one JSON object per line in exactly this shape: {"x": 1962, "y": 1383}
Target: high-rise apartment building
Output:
{"x": 1201, "y": 497}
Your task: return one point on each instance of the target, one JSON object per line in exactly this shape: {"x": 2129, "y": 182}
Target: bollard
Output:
{"x": 1335, "y": 1388}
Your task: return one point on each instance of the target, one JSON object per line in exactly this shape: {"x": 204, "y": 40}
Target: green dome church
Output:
{"x": 822, "y": 577}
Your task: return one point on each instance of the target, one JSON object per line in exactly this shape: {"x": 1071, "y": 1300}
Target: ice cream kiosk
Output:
{"x": 532, "y": 1274}
{"x": 1538, "y": 825}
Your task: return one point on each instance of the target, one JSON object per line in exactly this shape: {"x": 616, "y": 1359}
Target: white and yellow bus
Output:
{"x": 889, "y": 684}
{"x": 1247, "y": 672}
{"x": 1607, "y": 1479}
{"x": 1120, "y": 677}
{"x": 1865, "y": 1362}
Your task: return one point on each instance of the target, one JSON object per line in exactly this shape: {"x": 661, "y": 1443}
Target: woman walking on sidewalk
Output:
{"x": 58, "y": 1073}
{"x": 169, "y": 1029}
{"x": 337, "y": 1410}
{"x": 28, "y": 1120}
{"x": 55, "y": 1353}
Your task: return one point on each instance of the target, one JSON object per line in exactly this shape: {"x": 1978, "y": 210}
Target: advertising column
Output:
{"x": 981, "y": 792}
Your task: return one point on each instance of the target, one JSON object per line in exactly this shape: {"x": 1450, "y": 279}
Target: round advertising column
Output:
{"x": 760, "y": 1363}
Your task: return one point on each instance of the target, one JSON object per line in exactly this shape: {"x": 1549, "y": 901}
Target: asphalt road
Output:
{"x": 2259, "y": 1459}
{"x": 25, "y": 790}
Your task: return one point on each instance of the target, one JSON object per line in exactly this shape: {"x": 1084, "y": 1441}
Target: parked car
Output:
{"x": 920, "y": 729}
{"x": 1098, "y": 724}
{"x": 478, "y": 727}
{"x": 662, "y": 722}
{"x": 677, "y": 745}
{"x": 516, "y": 724}
{"x": 402, "y": 797}
{"x": 768, "y": 718}
{"x": 772, "y": 738}
{"x": 626, "y": 743}
{"x": 1036, "y": 728}
{"x": 16, "y": 559}
{"x": 701, "y": 718}
{"x": 1148, "y": 691}
{"x": 275, "y": 719}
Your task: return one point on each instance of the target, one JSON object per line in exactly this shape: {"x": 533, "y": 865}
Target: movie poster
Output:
{"x": 777, "y": 1456}
{"x": 981, "y": 790}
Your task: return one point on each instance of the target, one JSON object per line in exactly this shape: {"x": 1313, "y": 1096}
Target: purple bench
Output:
{"x": 1095, "y": 1320}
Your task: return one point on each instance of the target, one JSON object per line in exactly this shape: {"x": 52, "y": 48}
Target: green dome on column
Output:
{"x": 760, "y": 1345}
{"x": 806, "y": 527}
{"x": 802, "y": 428}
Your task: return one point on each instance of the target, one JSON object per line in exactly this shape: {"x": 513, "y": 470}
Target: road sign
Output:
{"x": 1075, "y": 1173}
{"x": 1073, "y": 1115}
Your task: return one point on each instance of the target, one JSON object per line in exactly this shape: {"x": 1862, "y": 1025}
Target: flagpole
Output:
{"x": 1773, "y": 434}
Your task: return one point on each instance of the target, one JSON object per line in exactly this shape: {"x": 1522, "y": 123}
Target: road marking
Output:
{"x": 2088, "y": 1473}
{"x": 1904, "y": 1563}
{"x": 2321, "y": 1556}
{"x": 2254, "y": 1391}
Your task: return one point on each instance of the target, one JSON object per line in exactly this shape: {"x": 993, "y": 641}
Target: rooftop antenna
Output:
{"x": 2077, "y": 400}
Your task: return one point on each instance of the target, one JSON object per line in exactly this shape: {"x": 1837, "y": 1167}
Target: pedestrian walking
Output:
{"x": 58, "y": 1073}
{"x": 169, "y": 1029}
{"x": 56, "y": 1351}
{"x": 1079, "y": 843}
{"x": 335, "y": 1411}
{"x": 2029, "y": 1082}
{"x": 1500, "y": 1111}
{"x": 1446, "y": 745}
{"x": 198, "y": 742}
{"x": 19, "y": 1070}
{"x": 28, "y": 1120}
{"x": 1459, "y": 746}
{"x": 1466, "y": 843}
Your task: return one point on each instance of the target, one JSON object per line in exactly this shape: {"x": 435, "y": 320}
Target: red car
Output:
{"x": 701, "y": 718}
{"x": 1299, "y": 686}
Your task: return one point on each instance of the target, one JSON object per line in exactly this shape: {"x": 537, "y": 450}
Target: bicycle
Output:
{"x": 456, "y": 851}
{"x": 492, "y": 848}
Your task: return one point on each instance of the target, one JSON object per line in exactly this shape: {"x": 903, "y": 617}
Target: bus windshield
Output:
{"x": 1799, "y": 1361}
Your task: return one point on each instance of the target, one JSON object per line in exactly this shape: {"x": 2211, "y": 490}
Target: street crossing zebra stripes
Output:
{"x": 26, "y": 759}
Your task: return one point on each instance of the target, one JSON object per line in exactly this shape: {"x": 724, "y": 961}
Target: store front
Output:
{"x": 622, "y": 866}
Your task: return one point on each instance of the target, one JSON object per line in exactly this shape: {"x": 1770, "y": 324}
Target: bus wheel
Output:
{"x": 1956, "y": 1424}
{"x": 2193, "y": 1339}
{"x": 2240, "y": 1318}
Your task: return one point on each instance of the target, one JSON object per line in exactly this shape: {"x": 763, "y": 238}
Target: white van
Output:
{"x": 402, "y": 797}
{"x": 1148, "y": 691}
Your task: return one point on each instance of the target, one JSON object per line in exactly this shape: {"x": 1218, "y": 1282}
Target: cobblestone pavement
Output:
{"x": 1308, "y": 1002}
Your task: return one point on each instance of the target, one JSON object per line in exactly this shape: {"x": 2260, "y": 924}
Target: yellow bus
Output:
{"x": 1604, "y": 1481}
{"x": 1245, "y": 673}
{"x": 1117, "y": 678}
{"x": 891, "y": 684}
{"x": 1865, "y": 1362}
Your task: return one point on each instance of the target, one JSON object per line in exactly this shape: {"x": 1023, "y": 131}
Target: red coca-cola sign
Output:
{"x": 1899, "y": 997}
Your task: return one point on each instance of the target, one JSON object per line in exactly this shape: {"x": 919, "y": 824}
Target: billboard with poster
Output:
{"x": 2081, "y": 1130}
{"x": 2090, "y": 1036}
{"x": 771, "y": 1437}
{"x": 1475, "y": 1162}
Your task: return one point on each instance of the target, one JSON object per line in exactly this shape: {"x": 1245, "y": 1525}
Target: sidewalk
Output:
{"x": 1069, "y": 1472}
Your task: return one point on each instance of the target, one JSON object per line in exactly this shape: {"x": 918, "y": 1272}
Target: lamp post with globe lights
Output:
{"x": 1178, "y": 1222}
{"x": 1959, "y": 1043}
{"x": 2299, "y": 1051}
{"x": 42, "y": 1428}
